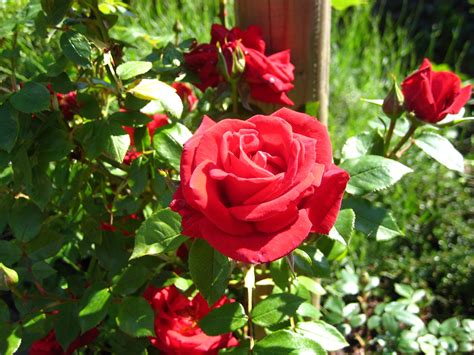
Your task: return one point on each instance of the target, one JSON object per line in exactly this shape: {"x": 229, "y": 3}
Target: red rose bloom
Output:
{"x": 50, "y": 346}
{"x": 254, "y": 189}
{"x": 176, "y": 323}
{"x": 269, "y": 77}
{"x": 433, "y": 95}
{"x": 186, "y": 94}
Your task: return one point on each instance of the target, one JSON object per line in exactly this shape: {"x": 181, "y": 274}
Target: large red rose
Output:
{"x": 50, "y": 346}
{"x": 433, "y": 95}
{"x": 268, "y": 77}
{"x": 176, "y": 323}
{"x": 254, "y": 189}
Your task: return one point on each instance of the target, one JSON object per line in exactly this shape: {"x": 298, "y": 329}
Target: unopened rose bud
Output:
{"x": 238, "y": 62}
{"x": 178, "y": 27}
{"x": 393, "y": 104}
{"x": 222, "y": 63}
{"x": 8, "y": 278}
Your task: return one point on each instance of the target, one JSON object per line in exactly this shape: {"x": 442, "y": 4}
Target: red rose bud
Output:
{"x": 393, "y": 104}
{"x": 255, "y": 189}
{"x": 431, "y": 96}
{"x": 8, "y": 278}
{"x": 176, "y": 323}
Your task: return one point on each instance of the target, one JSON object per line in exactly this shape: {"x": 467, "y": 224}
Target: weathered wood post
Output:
{"x": 304, "y": 26}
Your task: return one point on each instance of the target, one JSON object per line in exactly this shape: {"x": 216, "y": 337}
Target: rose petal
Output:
{"x": 323, "y": 206}
{"x": 259, "y": 247}
{"x": 308, "y": 126}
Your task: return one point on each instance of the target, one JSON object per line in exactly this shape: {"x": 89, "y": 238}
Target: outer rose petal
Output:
{"x": 323, "y": 206}
{"x": 310, "y": 127}
{"x": 259, "y": 247}
{"x": 459, "y": 102}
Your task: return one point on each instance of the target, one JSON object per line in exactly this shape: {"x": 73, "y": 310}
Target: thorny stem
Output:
{"x": 13, "y": 61}
{"x": 388, "y": 138}
{"x": 235, "y": 96}
{"x": 405, "y": 138}
{"x": 249, "y": 283}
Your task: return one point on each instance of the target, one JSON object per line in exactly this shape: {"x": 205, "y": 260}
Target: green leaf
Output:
{"x": 42, "y": 270}
{"x": 161, "y": 94}
{"x": 130, "y": 118}
{"x": 362, "y": 144}
{"x": 276, "y": 308}
{"x": 209, "y": 270}
{"x": 308, "y": 310}
{"x": 448, "y": 326}
{"x": 280, "y": 271}
{"x": 25, "y": 220}
{"x": 104, "y": 137}
{"x": 10, "y": 253}
{"x": 55, "y": 10}
{"x": 372, "y": 173}
{"x": 404, "y": 290}
{"x": 409, "y": 318}
{"x": 45, "y": 245}
{"x": 168, "y": 142}
{"x": 441, "y": 150}
{"x": 287, "y": 342}
{"x": 131, "y": 279}
{"x": 9, "y": 127}
{"x": 311, "y": 285}
{"x": 4, "y": 312}
{"x": 76, "y": 48}
{"x": 322, "y": 333}
{"x": 135, "y": 317}
{"x": 342, "y": 230}
{"x": 372, "y": 220}
{"x": 225, "y": 319}
{"x": 93, "y": 307}
{"x": 160, "y": 233}
{"x": 67, "y": 325}
{"x": 132, "y": 69}
{"x": 33, "y": 97}
{"x": 10, "y": 338}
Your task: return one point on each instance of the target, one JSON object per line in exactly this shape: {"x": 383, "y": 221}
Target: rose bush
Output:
{"x": 255, "y": 189}
{"x": 431, "y": 95}
{"x": 176, "y": 323}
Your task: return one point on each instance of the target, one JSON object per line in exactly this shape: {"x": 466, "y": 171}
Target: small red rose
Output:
{"x": 176, "y": 323}
{"x": 255, "y": 189}
{"x": 433, "y": 95}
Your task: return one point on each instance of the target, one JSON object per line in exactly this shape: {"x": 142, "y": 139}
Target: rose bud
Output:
{"x": 393, "y": 104}
{"x": 8, "y": 278}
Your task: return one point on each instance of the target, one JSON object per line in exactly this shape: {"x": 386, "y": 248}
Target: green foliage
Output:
{"x": 209, "y": 269}
{"x": 225, "y": 319}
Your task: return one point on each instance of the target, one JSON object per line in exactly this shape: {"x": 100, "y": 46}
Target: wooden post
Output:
{"x": 304, "y": 27}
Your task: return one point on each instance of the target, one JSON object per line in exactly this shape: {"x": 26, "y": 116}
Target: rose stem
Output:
{"x": 235, "y": 97}
{"x": 407, "y": 136}
{"x": 249, "y": 283}
{"x": 388, "y": 138}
